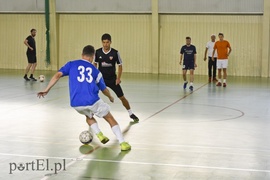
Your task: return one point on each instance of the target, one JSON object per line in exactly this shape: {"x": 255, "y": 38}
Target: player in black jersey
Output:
{"x": 106, "y": 59}
{"x": 31, "y": 55}
{"x": 188, "y": 53}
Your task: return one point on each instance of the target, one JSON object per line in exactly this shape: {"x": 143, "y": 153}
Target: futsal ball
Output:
{"x": 86, "y": 137}
{"x": 41, "y": 78}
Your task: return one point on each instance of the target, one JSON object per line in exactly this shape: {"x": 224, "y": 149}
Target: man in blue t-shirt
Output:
{"x": 188, "y": 51}
{"x": 85, "y": 81}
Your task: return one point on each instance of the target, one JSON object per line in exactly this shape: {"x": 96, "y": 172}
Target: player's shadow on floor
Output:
{"x": 105, "y": 164}
{"x": 86, "y": 149}
{"x": 125, "y": 130}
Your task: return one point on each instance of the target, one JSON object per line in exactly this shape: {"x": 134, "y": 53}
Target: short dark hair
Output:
{"x": 88, "y": 50}
{"x": 221, "y": 34}
{"x": 188, "y": 37}
{"x": 33, "y": 30}
{"x": 106, "y": 36}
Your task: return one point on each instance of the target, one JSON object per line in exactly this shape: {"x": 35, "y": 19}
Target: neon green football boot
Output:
{"x": 125, "y": 146}
{"x": 103, "y": 139}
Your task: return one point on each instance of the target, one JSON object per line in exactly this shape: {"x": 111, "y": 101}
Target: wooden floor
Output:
{"x": 214, "y": 133}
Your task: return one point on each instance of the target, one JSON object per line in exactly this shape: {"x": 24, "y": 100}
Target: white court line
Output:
{"x": 38, "y": 156}
{"x": 160, "y": 145}
{"x": 204, "y": 152}
{"x": 140, "y": 163}
{"x": 38, "y": 142}
{"x": 204, "y": 147}
{"x": 165, "y": 145}
{"x": 45, "y": 138}
{"x": 179, "y": 165}
{"x": 174, "y": 150}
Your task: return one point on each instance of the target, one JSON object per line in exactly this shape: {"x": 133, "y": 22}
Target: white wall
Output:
{"x": 211, "y": 6}
{"x": 136, "y": 6}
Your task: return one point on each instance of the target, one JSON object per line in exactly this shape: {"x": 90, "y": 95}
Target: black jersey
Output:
{"x": 32, "y": 44}
{"x": 189, "y": 52}
{"x": 107, "y": 62}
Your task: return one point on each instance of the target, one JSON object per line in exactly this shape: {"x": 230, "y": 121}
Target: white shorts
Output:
{"x": 222, "y": 63}
{"x": 100, "y": 109}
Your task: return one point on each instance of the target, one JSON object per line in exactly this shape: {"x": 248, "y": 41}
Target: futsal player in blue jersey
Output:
{"x": 188, "y": 53}
{"x": 85, "y": 81}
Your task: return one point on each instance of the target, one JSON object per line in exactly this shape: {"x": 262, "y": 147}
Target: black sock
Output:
{"x": 31, "y": 75}
{"x": 25, "y": 75}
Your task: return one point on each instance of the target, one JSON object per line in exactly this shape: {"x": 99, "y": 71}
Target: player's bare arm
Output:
{"x": 26, "y": 43}
{"x": 205, "y": 52}
{"x": 230, "y": 50}
{"x": 213, "y": 59}
{"x": 52, "y": 82}
{"x": 119, "y": 74}
{"x": 181, "y": 57}
{"x": 195, "y": 56}
{"x": 107, "y": 93}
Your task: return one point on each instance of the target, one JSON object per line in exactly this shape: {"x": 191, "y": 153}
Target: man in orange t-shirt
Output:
{"x": 222, "y": 47}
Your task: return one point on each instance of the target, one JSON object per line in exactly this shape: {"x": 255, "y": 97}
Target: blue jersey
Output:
{"x": 85, "y": 81}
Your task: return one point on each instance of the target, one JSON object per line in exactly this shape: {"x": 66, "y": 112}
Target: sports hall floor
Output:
{"x": 213, "y": 133}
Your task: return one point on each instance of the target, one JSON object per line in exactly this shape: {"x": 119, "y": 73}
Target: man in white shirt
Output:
{"x": 211, "y": 64}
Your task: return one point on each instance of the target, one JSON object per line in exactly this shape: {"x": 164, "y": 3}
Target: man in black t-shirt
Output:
{"x": 189, "y": 53}
{"x": 106, "y": 59}
{"x": 31, "y": 55}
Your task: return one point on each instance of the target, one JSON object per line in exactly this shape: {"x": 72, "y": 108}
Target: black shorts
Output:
{"x": 188, "y": 65}
{"x": 116, "y": 88}
{"x": 32, "y": 58}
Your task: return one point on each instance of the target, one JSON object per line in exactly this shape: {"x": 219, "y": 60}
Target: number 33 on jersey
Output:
{"x": 82, "y": 77}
